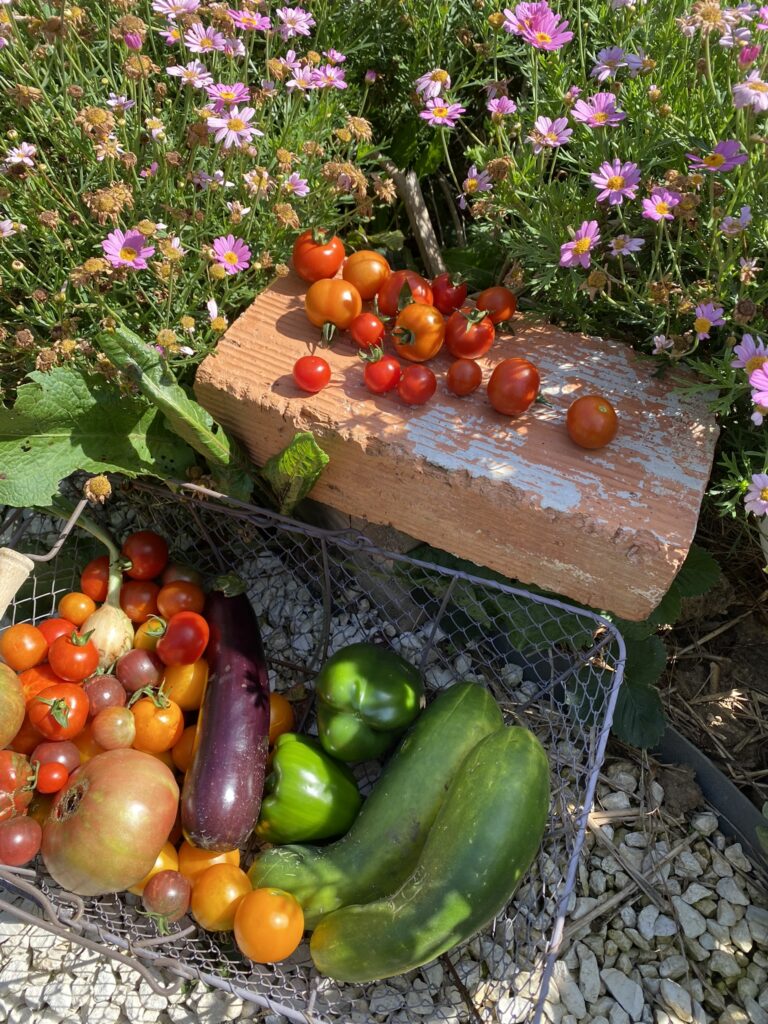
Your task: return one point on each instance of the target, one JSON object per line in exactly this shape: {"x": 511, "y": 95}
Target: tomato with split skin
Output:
{"x": 317, "y": 254}
{"x": 591, "y": 421}
{"x": 16, "y": 777}
{"x": 513, "y": 386}
{"x": 400, "y": 289}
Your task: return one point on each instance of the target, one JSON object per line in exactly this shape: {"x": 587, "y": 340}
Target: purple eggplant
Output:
{"x": 221, "y": 797}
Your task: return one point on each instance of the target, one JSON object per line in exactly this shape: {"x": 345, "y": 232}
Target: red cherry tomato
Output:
{"x": 367, "y": 330}
{"x": 52, "y": 629}
{"x": 51, "y": 777}
{"x": 513, "y": 386}
{"x": 147, "y": 553}
{"x": 180, "y": 596}
{"x": 94, "y": 579}
{"x": 317, "y": 254}
{"x": 500, "y": 302}
{"x": 185, "y": 639}
{"x": 60, "y": 711}
{"x": 311, "y": 373}
{"x": 417, "y": 385}
{"x": 382, "y": 375}
{"x": 367, "y": 271}
{"x": 73, "y": 658}
{"x": 448, "y": 294}
{"x": 402, "y": 287}
{"x": 469, "y": 333}
{"x": 591, "y": 421}
{"x": 138, "y": 599}
{"x": 464, "y": 377}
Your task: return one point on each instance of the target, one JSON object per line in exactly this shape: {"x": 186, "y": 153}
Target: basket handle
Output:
{"x": 14, "y": 573}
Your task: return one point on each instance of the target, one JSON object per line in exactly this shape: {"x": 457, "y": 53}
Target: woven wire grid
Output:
{"x": 552, "y": 667}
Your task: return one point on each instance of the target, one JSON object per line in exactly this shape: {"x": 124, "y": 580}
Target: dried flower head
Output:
{"x": 52, "y": 29}
{"x": 46, "y": 359}
{"x": 97, "y": 489}
{"x": 359, "y": 128}
{"x": 660, "y": 291}
{"x": 107, "y": 204}
{"x": 49, "y": 219}
{"x": 24, "y": 340}
{"x": 745, "y": 311}
{"x": 282, "y": 270}
{"x": 96, "y": 122}
{"x": 499, "y": 168}
{"x": 24, "y": 95}
{"x": 345, "y": 177}
{"x": 384, "y": 189}
{"x": 138, "y": 66}
{"x": 284, "y": 159}
{"x": 343, "y": 134}
{"x": 146, "y": 228}
{"x": 285, "y": 215}
{"x": 128, "y": 23}
{"x": 75, "y": 91}
{"x": 311, "y": 148}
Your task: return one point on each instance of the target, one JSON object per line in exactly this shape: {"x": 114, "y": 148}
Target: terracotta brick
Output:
{"x": 609, "y": 528}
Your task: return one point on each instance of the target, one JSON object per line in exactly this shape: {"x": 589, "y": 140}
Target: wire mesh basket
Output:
{"x": 552, "y": 667}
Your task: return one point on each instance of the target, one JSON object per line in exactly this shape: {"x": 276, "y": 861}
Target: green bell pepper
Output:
{"x": 307, "y": 795}
{"x": 367, "y": 696}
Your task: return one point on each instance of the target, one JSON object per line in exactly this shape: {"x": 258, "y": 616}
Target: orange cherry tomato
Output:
{"x": 367, "y": 271}
{"x": 183, "y": 749}
{"x": 180, "y": 596}
{"x": 94, "y": 579}
{"x": 185, "y": 684}
{"x": 138, "y": 599}
{"x": 419, "y": 332}
{"x": 269, "y": 924}
{"x": 163, "y": 755}
{"x": 216, "y": 895}
{"x": 193, "y": 860}
{"x": 76, "y": 607}
{"x": 22, "y": 646}
{"x": 167, "y": 860}
{"x": 281, "y": 716}
{"x": 87, "y": 745}
{"x": 317, "y": 254}
{"x": 38, "y": 678}
{"x": 157, "y": 727}
{"x": 26, "y": 739}
{"x": 149, "y": 634}
{"x": 500, "y": 302}
{"x": 330, "y": 301}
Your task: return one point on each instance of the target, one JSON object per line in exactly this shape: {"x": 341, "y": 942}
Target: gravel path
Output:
{"x": 668, "y": 926}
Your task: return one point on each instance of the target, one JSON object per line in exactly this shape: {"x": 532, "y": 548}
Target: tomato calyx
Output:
{"x": 541, "y": 400}
{"x": 161, "y": 921}
{"x": 327, "y": 332}
{"x": 377, "y": 311}
{"x": 474, "y": 316}
{"x": 405, "y": 336}
{"x": 157, "y": 696}
{"x": 320, "y": 235}
{"x": 405, "y": 295}
{"x": 80, "y": 639}
{"x": 156, "y": 626}
{"x": 230, "y": 584}
{"x": 59, "y": 709}
{"x": 371, "y": 355}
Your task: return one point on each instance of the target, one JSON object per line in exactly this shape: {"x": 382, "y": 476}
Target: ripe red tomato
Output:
{"x": 448, "y": 293}
{"x": 73, "y": 658}
{"x": 19, "y": 841}
{"x": 513, "y": 386}
{"x": 38, "y": 678}
{"x": 59, "y": 712}
{"x": 332, "y": 302}
{"x": 367, "y": 271}
{"x": 464, "y": 377}
{"x": 469, "y": 333}
{"x": 147, "y": 553}
{"x": 138, "y": 599}
{"x": 591, "y": 421}
{"x": 22, "y": 646}
{"x": 94, "y": 579}
{"x": 382, "y": 375}
{"x": 185, "y": 639}
{"x": 500, "y": 302}
{"x": 317, "y": 254}
{"x": 175, "y": 571}
{"x": 180, "y": 596}
{"x": 15, "y": 784}
{"x": 52, "y": 629}
{"x": 419, "y": 332}
{"x": 51, "y": 777}
{"x": 311, "y": 373}
{"x": 367, "y": 330}
{"x": 417, "y": 385}
{"x": 402, "y": 287}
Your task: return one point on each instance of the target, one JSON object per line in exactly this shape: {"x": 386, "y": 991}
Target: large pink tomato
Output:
{"x": 11, "y": 705}
{"x": 110, "y": 821}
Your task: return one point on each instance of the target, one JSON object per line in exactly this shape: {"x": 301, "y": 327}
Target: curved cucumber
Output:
{"x": 481, "y": 844}
{"x": 381, "y": 848}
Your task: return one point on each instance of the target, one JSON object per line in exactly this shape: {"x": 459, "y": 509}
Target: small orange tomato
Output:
{"x": 149, "y": 633}
{"x": 22, "y": 646}
{"x": 167, "y": 860}
{"x": 180, "y": 596}
{"x": 216, "y": 896}
{"x": 157, "y": 727}
{"x": 37, "y": 679}
{"x": 87, "y": 745}
{"x": 182, "y": 751}
{"x": 40, "y": 807}
{"x": 281, "y": 716}
{"x": 76, "y": 607}
{"x": 269, "y": 924}
{"x": 193, "y": 860}
{"x": 419, "y": 332}
{"x": 331, "y": 301}
{"x": 185, "y": 684}
{"x": 367, "y": 271}
{"x": 163, "y": 755}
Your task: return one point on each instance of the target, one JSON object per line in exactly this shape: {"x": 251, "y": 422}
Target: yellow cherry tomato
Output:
{"x": 269, "y": 924}
{"x": 148, "y": 634}
{"x": 216, "y": 896}
{"x": 185, "y": 684}
{"x": 181, "y": 752}
{"x": 158, "y": 726}
{"x": 193, "y": 861}
{"x": 167, "y": 860}
{"x": 87, "y": 745}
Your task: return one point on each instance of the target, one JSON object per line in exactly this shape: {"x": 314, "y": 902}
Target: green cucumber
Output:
{"x": 381, "y": 848}
{"x": 483, "y": 841}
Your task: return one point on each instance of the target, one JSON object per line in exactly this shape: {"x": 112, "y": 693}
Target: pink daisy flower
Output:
{"x": 441, "y": 114}
{"x": 756, "y": 498}
{"x": 232, "y": 253}
{"x": 303, "y": 79}
{"x": 500, "y": 107}
{"x": 120, "y": 103}
{"x": 290, "y": 60}
{"x": 200, "y": 39}
{"x": 232, "y": 127}
{"x": 516, "y": 22}
{"x": 762, "y": 22}
{"x": 227, "y": 95}
{"x": 732, "y": 227}
{"x": 475, "y": 181}
{"x": 617, "y": 180}
{"x": 296, "y": 185}
{"x": 171, "y": 35}
{"x": 23, "y": 155}
{"x": 750, "y": 354}
{"x": 578, "y": 251}
{"x": 151, "y": 171}
{"x": 599, "y": 111}
{"x": 133, "y": 41}
{"x": 621, "y": 245}
{"x": 233, "y": 48}
{"x": 748, "y": 55}
{"x": 432, "y": 83}
{"x": 549, "y": 134}
{"x": 371, "y": 76}
{"x": 660, "y": 203}
{"x": 194, "y": 74}
{"x": 708, "y": 315}
{"x": 758, "y": 381}
{"x": 329, "y": 77}
{"x": 608, "y": 63}
{"x": 547, "y": 31}
{"x": 752, "y": 92}
{"x": 661, "y": 343}
{"x": 294, "y": 21}
{"x": 127, "y": 249}
{"x": 249, "y": 21}
{"x": 171, "y": 9}
{"x": 724, "y": 157}
{"x": 334, "y": 57}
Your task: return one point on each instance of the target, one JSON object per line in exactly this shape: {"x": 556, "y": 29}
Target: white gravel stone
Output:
{"x": 58, "y": 995}
{"x": 757, "y": 1015}
{"x": 691, "y": 921}
{"x": 676, "y": 999}
{"x": 687, "y": 865}
{"x": 386, "y": 1000}
{"x": 616, "y": 801}
{"x": 726, "y": 915}
{"x": 569, "y": 991}
{"x": 720, "y": 865}
{"x": 735, "y": 855}
{"x": 419, "y": 1002}
{"x": 724, "y": 964}
{"x": 696, "y": 892}
{"x": 103, "y": 1013}
{"x": 665, "y": 927}
{"x": 625, "y": 991}
{"x": 589, "y": 974}
{"x": 584, "y": 904}
{"x": 733, "y": 1015}
{"x": 637, "y": 839}
{"x": 628, "y": 916}
{"x": 729, "y": 889}
{"x": 741, "y": 936}
{"x": 674, "y": 966}
{"x": 646, "y": 921}
{"x": 618, "y": 1015}
{"x": 705, "y": 823}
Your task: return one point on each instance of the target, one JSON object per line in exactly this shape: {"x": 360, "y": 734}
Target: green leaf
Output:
{"x": 187, "y": 419}
{"x": 639, "y": 717}
{"x": 293, "y": 472}
{"x": 665, "y": 613}
{"x": 762, "y": 836}
{"x": 698, "y": 573}
{"x": 478, "y": 268}
{"x": 65, "y": 420}
{"x": 431, "y": 158}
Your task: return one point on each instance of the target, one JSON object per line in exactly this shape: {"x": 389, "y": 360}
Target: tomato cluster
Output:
{"x": 58, "y": 711}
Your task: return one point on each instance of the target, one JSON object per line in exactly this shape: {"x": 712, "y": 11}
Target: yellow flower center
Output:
{"x": 764, "y": 494}
{"x": 662, "y": 207}
{"x": 206, "y": 41}
{"x": 758, "y": 86}
{"x": 440, "y": 111}
{"x": 128, "y": 254}
{"x": 231, "y": 258}
{"x": 227, "y": 94}
{"x": 714, "y": 160}
{"x": 542, "y": 37}
{"x": 616, "y": 181}
{"x": 619, "y": 244}
{"x": 470, "y": 185}
{"x": 236, "y": 124}
{"x": 755, "y": 363}
{"x": 551, "y": 136}
{"x": 701, "y": 325}
{"x": 438, "y": 75}
{"x": 600, "y": 117}
{"x": 583, "y": 245}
